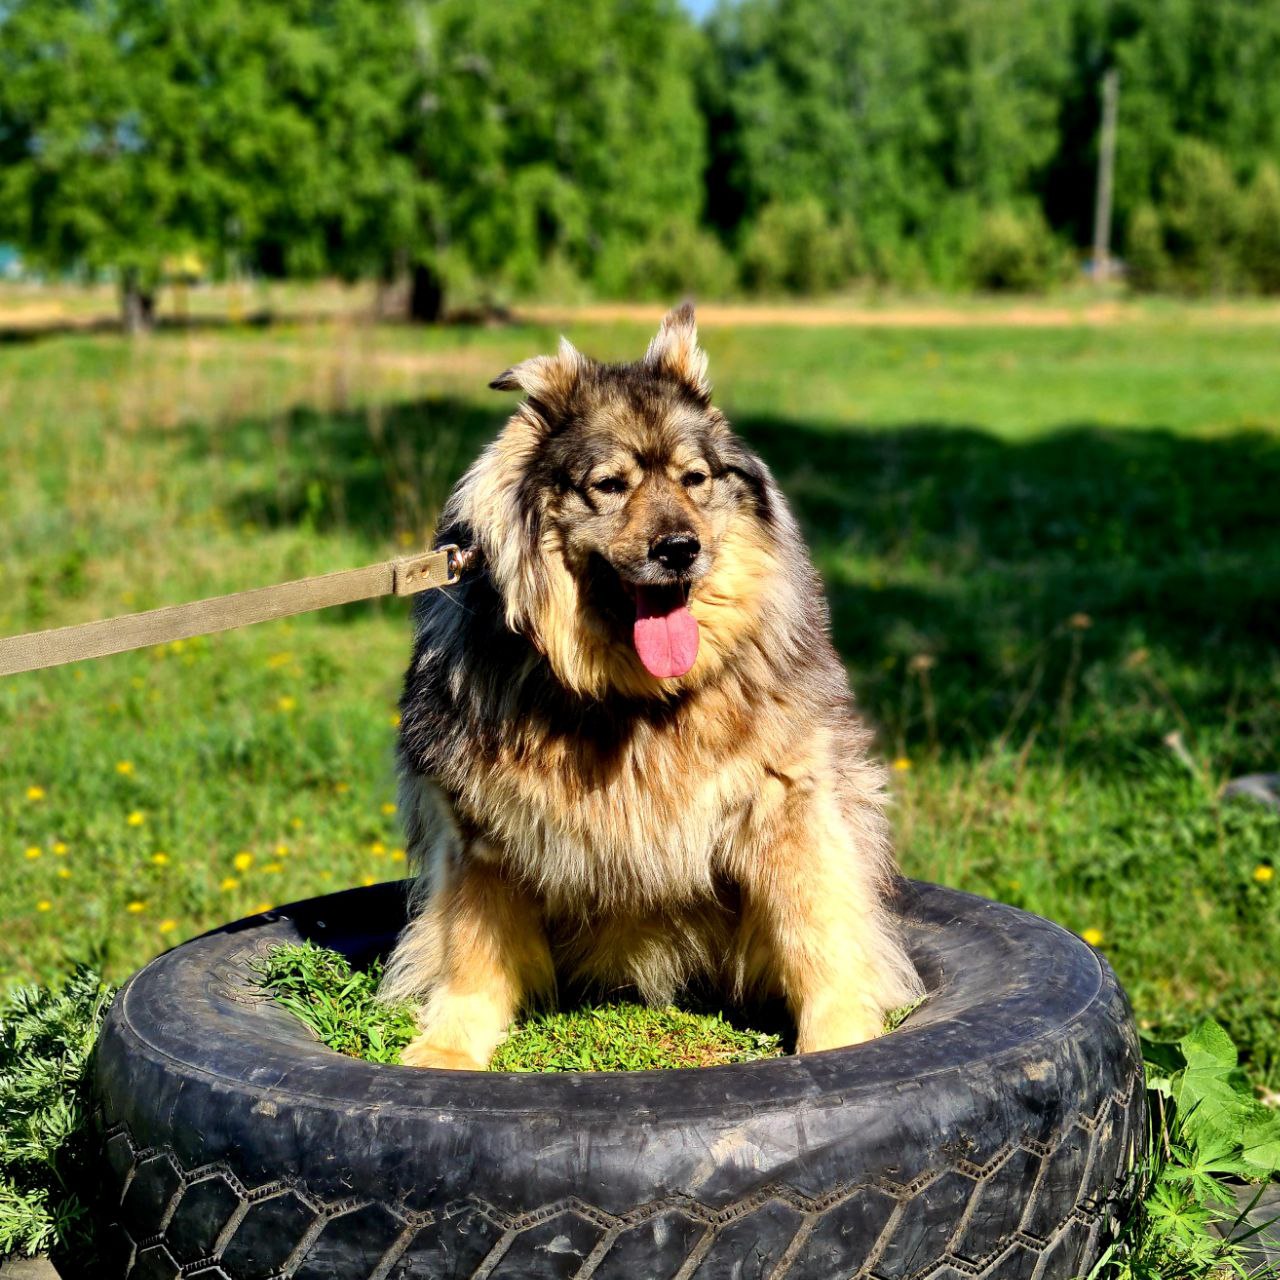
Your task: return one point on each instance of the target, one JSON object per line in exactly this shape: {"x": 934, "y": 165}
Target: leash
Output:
{"x": 407, "y": 576}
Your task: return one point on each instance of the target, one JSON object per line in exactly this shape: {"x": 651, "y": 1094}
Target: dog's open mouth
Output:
{"x": 665, "y": 633}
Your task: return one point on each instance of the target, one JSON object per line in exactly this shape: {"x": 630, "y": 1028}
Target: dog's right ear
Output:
{"x": 547, "y": 382}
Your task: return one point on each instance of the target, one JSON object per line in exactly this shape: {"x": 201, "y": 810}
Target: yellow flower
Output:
{"x": 342, "y": 788}
{"x": 177, "y": 646}
{"x": 44, "y": 905}
{"x": 34, "y": 851}
{"x": 167, "y": 926}
{"x": 135, "y": 907}
{"x": 377, "y": 848}
{"x": 326, "y": 875}
{"x": 60, "y": 849}
{"x": 1093, "y": 937}
{"x": 124, "y": 767}
{"x": 273, "y": 868}
{"x": 136, "y": 818}
{"x": 229, "y": 883}
{"x": 35, "y": 793}
{"x": 388, "y": 808}
{"x": 282, "y": 851}
{"x": 160, "y": 858}
{"x": 397, "y": 855}
{"x": 368, "y": 880}
{"x": 64, "y": 873}
{"x": 1264, "y": 874}
{"x": 296, "y": 823}
{"x": 286, "y": 702}
{"x": 394, "y": 719}
{"x": 902, "y": 764}
{"x": 243, "y": 860}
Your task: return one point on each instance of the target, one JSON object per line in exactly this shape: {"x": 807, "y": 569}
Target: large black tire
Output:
{"x": 991, "y": 1136}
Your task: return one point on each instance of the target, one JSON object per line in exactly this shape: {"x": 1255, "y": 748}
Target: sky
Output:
{"x": 699, "y": 8}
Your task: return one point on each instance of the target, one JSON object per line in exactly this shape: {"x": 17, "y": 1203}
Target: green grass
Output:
{"x": 1047, "y": 552}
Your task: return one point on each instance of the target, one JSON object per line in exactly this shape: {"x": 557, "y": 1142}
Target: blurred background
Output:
{"x": 985, "y": 281}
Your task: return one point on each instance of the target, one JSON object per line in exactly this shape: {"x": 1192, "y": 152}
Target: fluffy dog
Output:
{"x": 629, "y": 757}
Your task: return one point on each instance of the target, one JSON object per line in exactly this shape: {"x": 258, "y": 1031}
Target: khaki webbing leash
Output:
{"x": 404, "y": 577}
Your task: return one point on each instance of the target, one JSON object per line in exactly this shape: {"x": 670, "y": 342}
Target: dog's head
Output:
{"x": 630, "y": 533}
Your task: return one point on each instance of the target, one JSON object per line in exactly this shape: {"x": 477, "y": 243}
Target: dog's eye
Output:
{"x": 692, "y": 479}
{"x": 610, "y": 484}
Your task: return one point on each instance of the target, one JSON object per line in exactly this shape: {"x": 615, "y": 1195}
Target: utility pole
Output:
{"x": 1106, "y": 177}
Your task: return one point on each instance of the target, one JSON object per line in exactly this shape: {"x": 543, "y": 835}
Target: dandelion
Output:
{"x": 902, "y": 764}
{"x": 166, "y": 926}
{"x": 136, "y": 818}
{"x": 296, "y": 823}
{"x": 394, "y": 719}
{"x": 34, "y": 851}
{"x": 388, "y": 808}
{"x": 177, "y": 646}
{"x": 135, "y": 907}
{"x": 397, "y": 855}
{"x": 243, "y": 860}
{"x": 59, "y": 849}
{"x": 124, "y": 767}
{"x": 368, "y": 880}
{"x": 286, "y": 703}
{"x": 377, "y": 848}
{"x": 35, "y": 793}
{"x": 64, "y": 873}
{"x": 1264, "y": 874}
{"x": 160, "y": 858}
{"x": 282, "y": 851}
{"x": 229, "y": 883}
{"x": 263, "y": 906}
{"x": 1093, "y": 937}
{"x": 44, "y": 905}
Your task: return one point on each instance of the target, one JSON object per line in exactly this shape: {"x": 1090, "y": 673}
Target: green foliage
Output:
{"x": 1206, "y": 1126}
{"x": 1201, "y": 217}
{"x": 795, "y": 247}
{"x": 1260, "y": 232}
{"x": 339, "y": 1003}
{"x": 679, "y": 259}
{"x": 1145, "y": 254}
{"x": 46, "y": 1036}
{"x": 1014, "y": 251}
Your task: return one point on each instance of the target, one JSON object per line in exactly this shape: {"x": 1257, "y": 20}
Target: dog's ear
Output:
{"x": 675, "y": 351}
{"x": 548, "y": 382}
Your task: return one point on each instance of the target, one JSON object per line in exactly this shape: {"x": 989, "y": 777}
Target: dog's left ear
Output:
{"x": 675, "y": 351}
{"x": 548, "y": 382}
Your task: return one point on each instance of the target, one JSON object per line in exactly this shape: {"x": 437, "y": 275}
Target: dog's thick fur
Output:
{"x": 571, "y": 815}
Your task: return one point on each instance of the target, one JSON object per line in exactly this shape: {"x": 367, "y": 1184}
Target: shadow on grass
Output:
{"x": 1084, "y": 591}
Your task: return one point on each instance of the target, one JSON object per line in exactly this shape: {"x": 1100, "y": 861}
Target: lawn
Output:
{"x": 1053, "y": 557}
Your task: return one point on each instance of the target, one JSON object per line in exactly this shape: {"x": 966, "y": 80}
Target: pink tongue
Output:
{"x": 665, "y": 635}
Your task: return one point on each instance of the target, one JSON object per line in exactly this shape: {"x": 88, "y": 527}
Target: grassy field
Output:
{"x": 1053, "y": 556}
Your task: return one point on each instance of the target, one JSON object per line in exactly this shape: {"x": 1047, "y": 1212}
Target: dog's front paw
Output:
{"x": 837, "y": 1028}
{"x": 426, "y": 1052}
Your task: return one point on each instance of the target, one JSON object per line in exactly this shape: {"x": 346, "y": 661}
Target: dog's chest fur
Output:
{"x": 638, "y": 811}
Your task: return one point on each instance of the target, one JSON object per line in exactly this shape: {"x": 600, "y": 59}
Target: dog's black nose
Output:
{"x": 677, "y": 551}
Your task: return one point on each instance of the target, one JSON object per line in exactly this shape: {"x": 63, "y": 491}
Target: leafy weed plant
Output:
{"x": 46, "y": 1037}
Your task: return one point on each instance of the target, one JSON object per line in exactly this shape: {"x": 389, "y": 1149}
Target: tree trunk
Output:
{"x": 137, "y": 305}
{"x": 426, "y": 296}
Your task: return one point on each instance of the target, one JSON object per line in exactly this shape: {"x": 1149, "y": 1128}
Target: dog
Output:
{"x": 629, "y": 758}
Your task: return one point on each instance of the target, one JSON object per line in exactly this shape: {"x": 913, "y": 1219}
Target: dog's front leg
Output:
{"x": 814, "y": 926}
{"x": 480, "y": 954}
